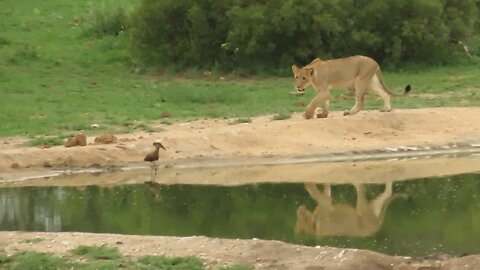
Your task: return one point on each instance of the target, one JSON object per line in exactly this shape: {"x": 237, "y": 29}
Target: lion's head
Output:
{"x": 303, "y": 78}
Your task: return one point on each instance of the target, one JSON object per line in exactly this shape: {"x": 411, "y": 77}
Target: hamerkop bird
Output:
{"x": 153, "y": 156}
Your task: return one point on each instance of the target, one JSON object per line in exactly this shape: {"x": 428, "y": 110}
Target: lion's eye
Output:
{"x": 304, "y": 78}
{"x": 296, "y": 77}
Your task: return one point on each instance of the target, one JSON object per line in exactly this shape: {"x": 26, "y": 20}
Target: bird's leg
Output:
{"x": 156, "y": 168}
{"x": 152, "y": 168}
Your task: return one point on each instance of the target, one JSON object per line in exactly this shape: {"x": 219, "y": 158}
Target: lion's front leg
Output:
{"x": 321, "y": 99}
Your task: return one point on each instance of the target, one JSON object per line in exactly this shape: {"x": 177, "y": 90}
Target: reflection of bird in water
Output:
{"x": 155, "y": 189}
{"x": 153, "y": 157}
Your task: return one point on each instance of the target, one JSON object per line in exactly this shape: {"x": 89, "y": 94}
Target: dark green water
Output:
{"x": 439, "y": 214}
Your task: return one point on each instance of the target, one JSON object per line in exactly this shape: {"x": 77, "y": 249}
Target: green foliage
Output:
{"x": 37, "y": 261}
{"x": 281, "y": 116}
{"x": 24, "y": 53}
{"x": 46, "y": 141}
{"x": 33, "y": 240}
{"x": 186, "y": 33}
{"x": 242, "y": 121}
{"x": 4, "y": 259}
{"x": 4, "y": 41}
{"x": 97, "y": 252}
{"x": 46, "y": 261}
{"x": 106, "y": 20}
{"x": 162, "y": 262}
{"x": 248, "y": 35}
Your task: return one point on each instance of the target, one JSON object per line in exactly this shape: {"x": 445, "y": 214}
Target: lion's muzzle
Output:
{"x": 300, "y": 90}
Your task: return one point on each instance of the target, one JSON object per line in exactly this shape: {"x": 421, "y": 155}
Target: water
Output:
{"x": 415, "y": 217}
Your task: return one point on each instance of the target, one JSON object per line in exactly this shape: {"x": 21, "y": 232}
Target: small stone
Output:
{"x": 165, "y": 114}
{"x": 47, "y": 164}
{"x": 15, "y": 165}
{"x": 77, "y": 140}
{"x": 105, "y": 139}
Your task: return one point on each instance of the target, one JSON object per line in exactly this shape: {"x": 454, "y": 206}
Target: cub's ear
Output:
{"x": 310, "y": 71}
{"x": 294, "y": 68}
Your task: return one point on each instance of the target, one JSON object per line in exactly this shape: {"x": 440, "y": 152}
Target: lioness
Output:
{"x": 357, "y": 73}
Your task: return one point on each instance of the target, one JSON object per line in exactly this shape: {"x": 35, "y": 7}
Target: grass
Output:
{"x": 101, "y": 258}
{"x": 97, "y": 252}
{"x": 242, "y": 121}
{"x": 66, "y": 65}
{"x": 281, "y": 116}
{"x": 46, "y": 141}
{"x": 33, "y": 240}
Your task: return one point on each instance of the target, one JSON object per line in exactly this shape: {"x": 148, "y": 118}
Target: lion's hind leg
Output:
{"x": 377, "y": 87}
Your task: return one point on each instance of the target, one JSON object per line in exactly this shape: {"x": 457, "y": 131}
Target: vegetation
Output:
{"x": 281, "y": 116}
{"x": 66, "y": 66}
{"x": 242, "y": 121}
{"x": 96, "y": 261}
{"x": 97, "y": 252}
{"x": 247, "y": 36}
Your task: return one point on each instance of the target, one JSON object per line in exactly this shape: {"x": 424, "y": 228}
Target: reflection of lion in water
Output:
{"x": 343, "y": 219}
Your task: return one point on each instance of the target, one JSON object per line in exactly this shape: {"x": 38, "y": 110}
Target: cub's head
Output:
{"x": 303, "y": 78}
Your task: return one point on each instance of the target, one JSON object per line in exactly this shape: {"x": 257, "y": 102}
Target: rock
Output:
{"x": 77, "y": 140}
{"x": 15, "y": 165}
{"x": 105, "y": 139}
{"x": 165, "y": 114}
{"x": 47, "y": 164}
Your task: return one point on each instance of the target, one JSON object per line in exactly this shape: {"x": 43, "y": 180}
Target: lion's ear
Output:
{"x": 310, "y": 71}
{"x": 294, "y": 68}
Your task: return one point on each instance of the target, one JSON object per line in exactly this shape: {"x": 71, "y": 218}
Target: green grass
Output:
{"x": 46, "y": 141}
{"x": 58, "y": 77}
{"x": 242, "y": 121}
{"x": 33, "y": 240}
{"x": 97, "y": 252}
{"x": 101, "y": 258}
{"x": 281, "y": 116}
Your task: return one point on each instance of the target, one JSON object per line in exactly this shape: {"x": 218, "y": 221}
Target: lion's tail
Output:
{"x": 380, "y": 78}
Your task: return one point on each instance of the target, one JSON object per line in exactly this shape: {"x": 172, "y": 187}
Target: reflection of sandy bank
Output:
{"x": 374, "y": 171}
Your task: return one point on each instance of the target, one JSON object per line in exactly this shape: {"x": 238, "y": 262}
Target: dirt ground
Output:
{"x": 220, "y": 140}
{"x": 207, "y": 142}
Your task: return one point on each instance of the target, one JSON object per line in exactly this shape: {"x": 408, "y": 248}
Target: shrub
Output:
{"x": 106, "y": 20}
{"x": 271, "y": 35}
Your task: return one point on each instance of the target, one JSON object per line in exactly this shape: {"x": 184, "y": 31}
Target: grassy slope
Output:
{"x": 55, "y": 80}
{"x": 101, "y": 257}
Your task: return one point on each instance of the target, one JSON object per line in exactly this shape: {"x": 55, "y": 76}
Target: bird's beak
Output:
{"x": 161, "y": 145}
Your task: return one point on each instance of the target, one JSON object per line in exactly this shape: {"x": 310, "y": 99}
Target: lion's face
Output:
{"x": 303, "y": 78}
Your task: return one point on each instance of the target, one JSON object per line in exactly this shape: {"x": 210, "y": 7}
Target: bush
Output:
{"x": 106, "y": 20}
{"x": 271, "y": 35}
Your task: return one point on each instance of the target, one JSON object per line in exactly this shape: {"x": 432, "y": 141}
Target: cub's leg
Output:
{"x": 377, "y": 87}
{"x": 360, "y": 89}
